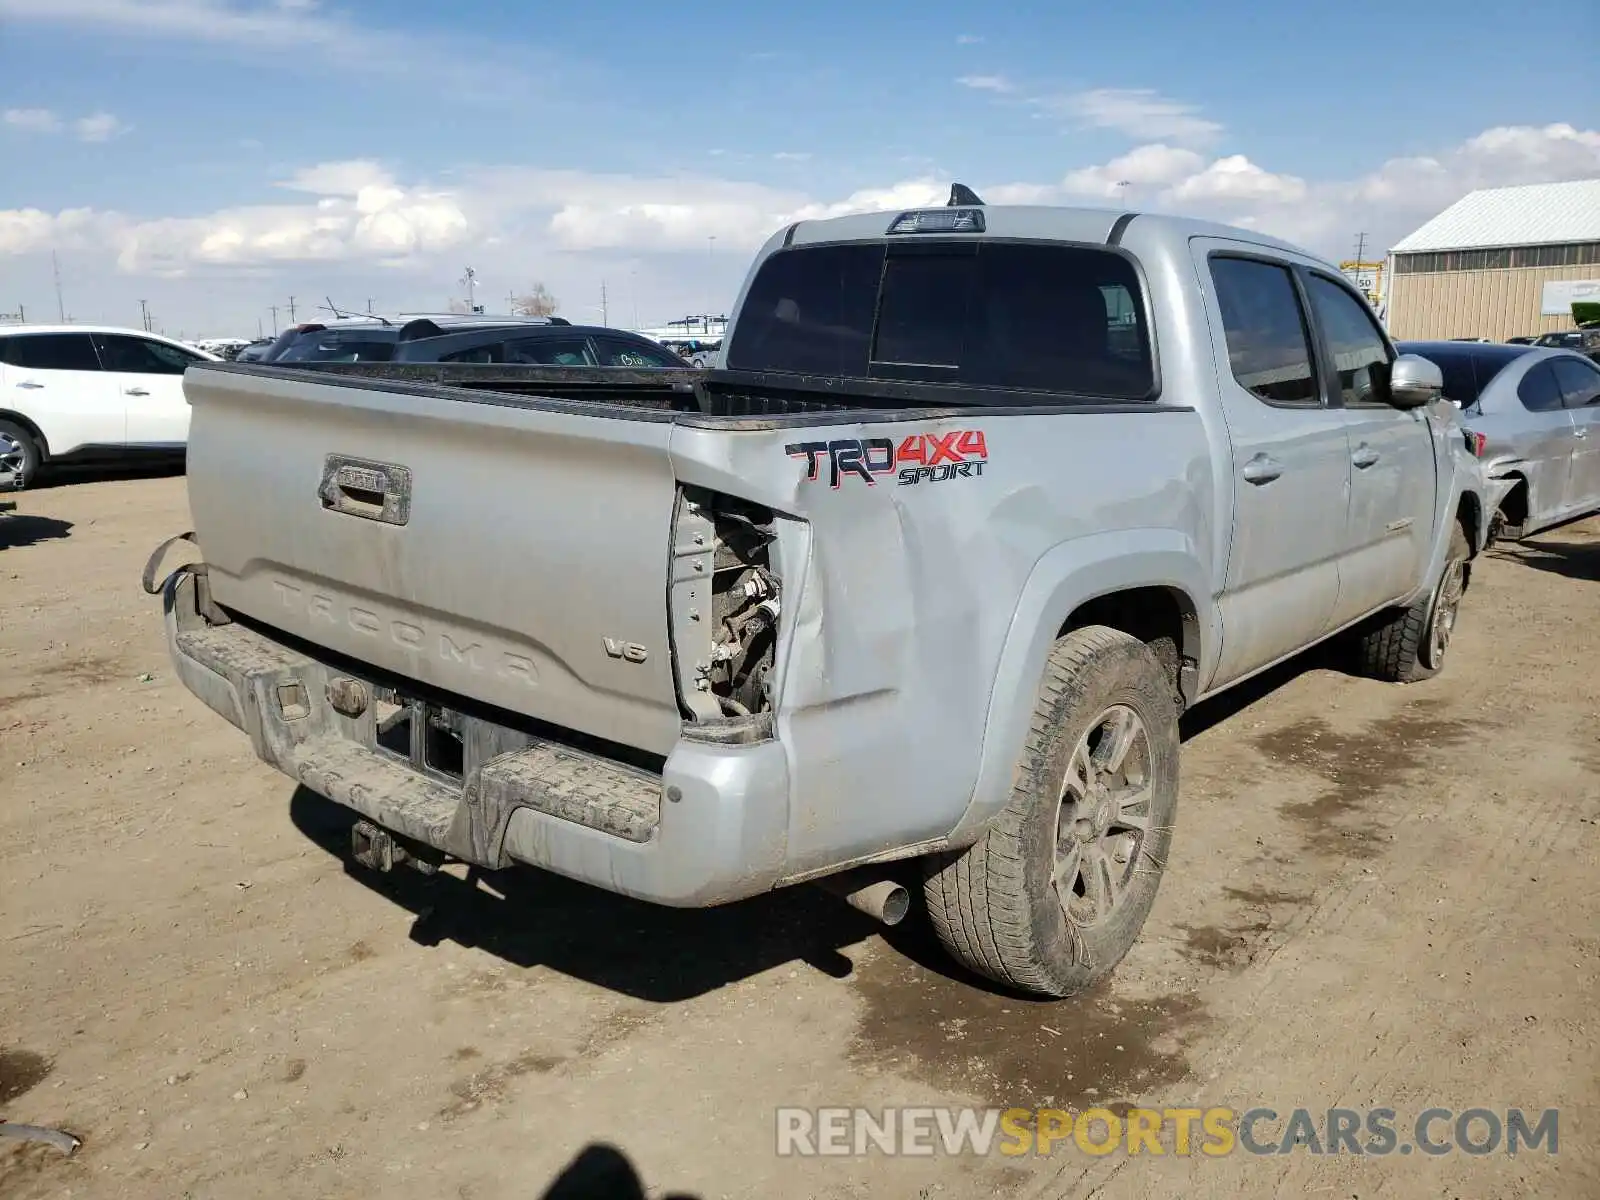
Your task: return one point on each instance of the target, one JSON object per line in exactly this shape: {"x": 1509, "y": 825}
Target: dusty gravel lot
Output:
{"x": 1378, "y": 896}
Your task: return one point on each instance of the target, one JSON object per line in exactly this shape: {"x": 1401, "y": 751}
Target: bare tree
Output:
{"x": 537, "y": 302}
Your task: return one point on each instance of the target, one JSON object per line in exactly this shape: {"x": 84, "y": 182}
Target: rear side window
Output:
{"x": 1269, "y": 349}
{"x": 994, "y": 315}
{"x": 549, "y": 352}
{"x": 1359, "y": 351}
{"x": 138, "y": 356}
{"x": 1580, "y": 382}
{"x": 1539, "y": 391}
{"x": 325, "y": 348}
{"x": 50, "y": 352}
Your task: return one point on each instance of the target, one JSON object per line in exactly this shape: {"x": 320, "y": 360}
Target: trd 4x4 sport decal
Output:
{"x": 920, "y": 458}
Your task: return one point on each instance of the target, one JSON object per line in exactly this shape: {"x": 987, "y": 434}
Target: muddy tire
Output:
{"x": 19, "y": 453}
{"x": 1054, "y": 893}
{"x": 1409, "y": 644}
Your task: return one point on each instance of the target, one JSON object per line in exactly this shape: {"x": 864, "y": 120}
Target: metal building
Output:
{"x": 1499, "y": 263}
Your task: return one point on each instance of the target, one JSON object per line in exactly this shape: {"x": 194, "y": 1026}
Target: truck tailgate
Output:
{"x": 512, "y": 554}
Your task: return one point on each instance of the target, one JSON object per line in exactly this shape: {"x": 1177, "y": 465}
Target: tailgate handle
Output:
{"x": 359, "y": 487}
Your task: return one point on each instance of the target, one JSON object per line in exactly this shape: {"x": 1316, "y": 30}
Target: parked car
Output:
{"x": 374, "y": 340}
{"x": 1521, "y": 341}
{"x": 1534, "y": 416}
{"x": 83, "y": 391}
{"x": 1584, "y": 341}
{"x": 550, "y": 345}
{"x": 905, "y": 578}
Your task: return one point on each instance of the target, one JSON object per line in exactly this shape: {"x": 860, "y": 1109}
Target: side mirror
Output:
{"x": 1414, "y": 381}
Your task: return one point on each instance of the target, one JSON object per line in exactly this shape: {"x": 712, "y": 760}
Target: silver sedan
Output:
{"x": 1533, "y": 419}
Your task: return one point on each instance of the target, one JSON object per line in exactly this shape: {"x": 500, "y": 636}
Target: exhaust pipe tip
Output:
{"x": 881, "y": 899}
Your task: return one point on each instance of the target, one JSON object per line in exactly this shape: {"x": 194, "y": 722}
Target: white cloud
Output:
{"x": 33, "y": 120}
{"x": 988, "y": 83}
{"x": 357, "y": 219}
{"x": 792, "y": 156}
{"x": 1157, "y": 164}
{"x": 1236, "y": 178}
{"x": 1141, "y": 113}
{"x": 98, "y": 127}
{"x": 302, "y": 32}
{"x": 969, "y": 39}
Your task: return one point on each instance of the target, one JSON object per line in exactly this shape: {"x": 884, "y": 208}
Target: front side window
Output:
{"x": 1580, "y": 382}
{"x": 1539, "y": 390}
{"x": 51, "y": 352}
{"x": 1269, "y": 348}
{"x": 1023, "y": 316}
{"x": 140, "y": 356}
{"x": 1360, "y": 355}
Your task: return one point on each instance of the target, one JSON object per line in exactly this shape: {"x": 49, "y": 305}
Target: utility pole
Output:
{"x": 1361, "y": 246}
{"x": 605, "y": 312}
{"x": 273, "y": 308}
{"x": 470, "y": 280}
{"x": 511, "y": 302}
{"x": 291, "y": 310}
{"x": 61, "y": 308}
{"x": 259, "y": 334}
{"x": 144, "y": 314}
{"x": 369, "y": 307}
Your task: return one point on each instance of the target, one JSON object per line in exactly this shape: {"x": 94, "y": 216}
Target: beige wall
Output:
{"x": 1491, "y": 304}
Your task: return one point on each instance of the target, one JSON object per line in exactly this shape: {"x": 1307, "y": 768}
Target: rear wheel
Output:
{"x": 1053, "y": 895}
{"x": 19, "y": 453}
{"x": 1410, "y": 644}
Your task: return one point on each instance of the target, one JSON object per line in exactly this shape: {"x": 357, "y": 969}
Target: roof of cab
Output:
{"x": 1037, "y": 221}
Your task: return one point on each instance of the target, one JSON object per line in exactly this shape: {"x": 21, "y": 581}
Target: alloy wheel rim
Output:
{"x": 1103, "y": 817}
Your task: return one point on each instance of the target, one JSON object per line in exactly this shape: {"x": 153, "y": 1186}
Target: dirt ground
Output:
{"x": 1378, "y": 896}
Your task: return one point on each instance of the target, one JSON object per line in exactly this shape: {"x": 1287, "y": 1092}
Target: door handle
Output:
{"x": 134, "y": 392}
{"x": 1262, "y": 469}
{"x": 30, "y": 385}
{"x": 1364, "y": 457}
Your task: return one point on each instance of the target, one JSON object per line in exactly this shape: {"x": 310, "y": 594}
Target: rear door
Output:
{"x": 1579, "y": 381}
{"x": 55, "y": 380}
{"x": 1290, "y": 460}
{"x": 149, "y": 376}
{"x": 1389, "y": 532}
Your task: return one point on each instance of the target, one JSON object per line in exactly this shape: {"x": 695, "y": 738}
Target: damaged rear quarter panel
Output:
{"x": 897, "y": 620}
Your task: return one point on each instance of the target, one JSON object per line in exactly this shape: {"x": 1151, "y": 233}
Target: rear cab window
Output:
{"x": 1035, "y": 317}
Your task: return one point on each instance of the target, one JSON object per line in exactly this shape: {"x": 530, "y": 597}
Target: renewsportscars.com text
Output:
{"x": 1212, "y": 1132}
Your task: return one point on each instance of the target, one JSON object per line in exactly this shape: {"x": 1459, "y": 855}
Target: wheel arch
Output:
{"x": 1149, "y": 583}
{"x": 32, "y": 428}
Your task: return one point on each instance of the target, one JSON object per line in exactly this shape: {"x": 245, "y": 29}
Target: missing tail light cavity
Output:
{"x": 727, "y": 603}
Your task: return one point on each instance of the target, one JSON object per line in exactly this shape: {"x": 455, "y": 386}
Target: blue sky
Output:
{"x": 216, "y": 156}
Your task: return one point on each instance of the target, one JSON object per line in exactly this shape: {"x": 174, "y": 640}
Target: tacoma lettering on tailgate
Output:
{"x": 456, "y": 649}
{"x": 920, "y": 458}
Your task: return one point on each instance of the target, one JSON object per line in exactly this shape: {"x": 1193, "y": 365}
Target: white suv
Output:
{"x": 82, "y": 391}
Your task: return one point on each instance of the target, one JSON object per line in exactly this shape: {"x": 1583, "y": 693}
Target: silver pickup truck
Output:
{"x": 976, "y": 502}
